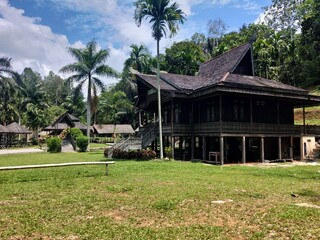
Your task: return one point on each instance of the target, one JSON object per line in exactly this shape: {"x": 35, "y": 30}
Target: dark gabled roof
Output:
{"x": 18, "y": 129}
{"x": 183, "y": 82}
{"x": 110, "y": 128}
{"x": 152, "y": 80}
{"x": 223, "y": 63}
{"x": 233, "y": 69}
{"x": 258, "y": 82}
{"x": 66, "y": 117}
{"x": 65, "y": 121}
{"x": 3, "y": 129}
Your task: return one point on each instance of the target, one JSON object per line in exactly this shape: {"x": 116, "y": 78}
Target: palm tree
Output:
{"x": 90, "y": 63}
{"x": 163, "y": 17}
{"x": 6, "y": 68}
{"x": 138, "y": 59}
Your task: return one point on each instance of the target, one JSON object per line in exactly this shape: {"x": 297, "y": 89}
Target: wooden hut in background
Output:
{"x": 3, "y": 136}
{"x": 17, "y": 134}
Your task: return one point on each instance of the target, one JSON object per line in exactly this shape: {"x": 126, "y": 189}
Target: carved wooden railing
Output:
{"x": 124, "y": 145}
{"x": 240, "y": 128}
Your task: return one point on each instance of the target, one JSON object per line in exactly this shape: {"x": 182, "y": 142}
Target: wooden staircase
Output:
{"x": 146, "y": 135}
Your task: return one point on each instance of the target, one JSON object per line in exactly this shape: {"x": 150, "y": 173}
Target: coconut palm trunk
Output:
{"x": 159, "y": 101}
{"x": 89, "y": 108}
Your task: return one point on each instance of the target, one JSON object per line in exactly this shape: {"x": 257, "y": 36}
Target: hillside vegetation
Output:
{"x": 312, "y": 113}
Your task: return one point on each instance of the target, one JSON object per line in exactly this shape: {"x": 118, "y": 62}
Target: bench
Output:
{"x": 56, "y": 165}
{"x": 216, "y": 156}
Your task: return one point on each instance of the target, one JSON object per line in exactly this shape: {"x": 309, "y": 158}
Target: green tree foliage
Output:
{"x": 139, "y": 59}
{"x": 56, "y": 89}
{"x": 34, "y": 103}
{"x": 184, "y": 58}
{"x": 115, "y": 108}
{"x": 74, "y": 104}
{"x": 310, "y": 45}
{"x": 90, "y": 63}
{"x": 8, "y": 107}
{"x": 286, "y": 15}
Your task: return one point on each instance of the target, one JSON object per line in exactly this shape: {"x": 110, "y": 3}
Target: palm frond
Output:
{"x": 105, "y": 70}
{"x": 97, "y": 83}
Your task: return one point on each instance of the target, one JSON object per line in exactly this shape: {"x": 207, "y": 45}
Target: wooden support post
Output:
{"x": 204, "y": 149}
{"x": 279, "y": 149}
{"x": 221, "y": 150}
{"x": 172, "y": 146}
{"x": 291, "y": 148}
{"x": 243, "y": 149}
{"x": 304, "y": 119}
{"x": 301, "y": 148}
{"x": 192, "y": 148}
{"x": 262, "y": 149}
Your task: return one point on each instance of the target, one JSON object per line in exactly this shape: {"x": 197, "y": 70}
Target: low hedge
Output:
{"x": 132, "y": 155}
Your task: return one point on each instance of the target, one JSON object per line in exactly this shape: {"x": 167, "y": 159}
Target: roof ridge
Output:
{"x": 220, "y": 55}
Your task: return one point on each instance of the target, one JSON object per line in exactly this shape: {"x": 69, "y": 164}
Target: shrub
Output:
{"x": 138, "y": 155}
{"x": 75, "y": 133}
{"x": 34, "y": 141}
{"x": 82, "y": 143}
{"x": 54, "y": 145}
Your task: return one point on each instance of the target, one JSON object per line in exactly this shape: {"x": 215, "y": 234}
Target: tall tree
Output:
{"x": 184, "y": 58}
{"x": 139, "y": 57}
{"x": 7, "y": 89}
{"x": 310, "y": 44}
{"x": 34, "y": 103}
{"x": 90, "y": 62}
{"x": 286, "y": 15}
{"x": 163, "y": 16}
{"x": 114, "y": 106}
{"x": 56, "y": 88}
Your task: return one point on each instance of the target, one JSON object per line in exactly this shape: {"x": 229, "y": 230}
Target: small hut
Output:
{"x": 17, "y": 134}
{"x": 63, "y": 122}
{"x": 3, "y": 136}
{"x": 108, "y": 130}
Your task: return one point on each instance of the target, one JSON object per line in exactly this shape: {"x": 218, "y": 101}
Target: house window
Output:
{"x": 177, "y": 112}
{"x": 238, "y": 110}
{"x": 210, "y": 112}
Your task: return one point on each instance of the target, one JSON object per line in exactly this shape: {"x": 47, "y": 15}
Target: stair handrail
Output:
{"x": 148, "y": 134}
{"x": 118, "y": 145}
{"x": 72, "y": 141}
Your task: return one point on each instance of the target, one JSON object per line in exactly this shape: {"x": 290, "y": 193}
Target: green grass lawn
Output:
{"x": 156, "y": 200}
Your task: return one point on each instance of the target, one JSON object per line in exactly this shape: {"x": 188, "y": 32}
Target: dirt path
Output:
{"x": 22, "y": 150}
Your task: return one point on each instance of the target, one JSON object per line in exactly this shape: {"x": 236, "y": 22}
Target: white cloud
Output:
{"x": 249, "y": 5}
{"x": 29, "y": 43}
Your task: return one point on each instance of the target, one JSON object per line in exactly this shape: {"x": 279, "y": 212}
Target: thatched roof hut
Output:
{"x": 15, "y": 128}
{"x": 104, "y": 129}
{"x": 3, "y": 129}
{"x": 65, "y": 121}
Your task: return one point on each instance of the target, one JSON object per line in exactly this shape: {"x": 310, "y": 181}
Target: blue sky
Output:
{"x": 37, "y": 33}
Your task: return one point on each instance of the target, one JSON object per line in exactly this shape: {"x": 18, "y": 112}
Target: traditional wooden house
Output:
{"x": 63, "y": 122}
{"x": 225, "y": 112}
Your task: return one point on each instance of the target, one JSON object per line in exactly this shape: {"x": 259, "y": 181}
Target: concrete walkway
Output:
{"x": 22, "y": 150}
